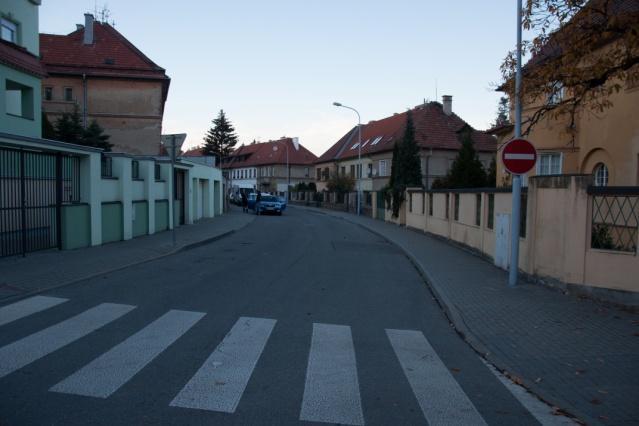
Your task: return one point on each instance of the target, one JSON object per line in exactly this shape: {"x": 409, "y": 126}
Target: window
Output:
{"x": 457, "y": 207}
{"x": 376, "y": 140}
{"x": 306, "y": 172}
{"x": 19, "y": 100}
{"x": 9, "y": 30}
{"x": 68, "y": 94}
{"x": 383, "y": 168}
{"x": 343, "y": 171}
{"x": 364, "y": 144}
{"x": 326, "y": 173}
{"x": 353, "y": 170}
{"x": 491, "y": 211}
{"x": 318, "y": 174}
{"x": 549, "y": 163}
{"x": 158, "y": 172}
{"x": 370, "y": 170}
{"x": 601, "y": 175}
{"x": 478, "y": 209}
{"x": 430, "y": 204}
{"x": 555, "y": 93}
{"x": 359, "y": 171}
{"x": 410, "y": 202}
{"x": 107, "y": 167}
{"x": 48, "y": 93}
{"x": 135, "y": 169}
{"x": 355, "y": 146}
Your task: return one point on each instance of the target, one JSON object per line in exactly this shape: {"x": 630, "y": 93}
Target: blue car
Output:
{"x": 269, "y": 204}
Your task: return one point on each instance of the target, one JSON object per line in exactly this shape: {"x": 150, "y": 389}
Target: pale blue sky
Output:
{"x": 276, "y": 66}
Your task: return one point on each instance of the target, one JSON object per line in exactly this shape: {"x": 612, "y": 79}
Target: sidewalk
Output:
{"x": 20, "y": 276}
{"x": 576, "y": 354}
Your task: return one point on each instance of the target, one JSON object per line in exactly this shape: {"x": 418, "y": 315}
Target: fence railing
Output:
{"x": 615, "y": 218}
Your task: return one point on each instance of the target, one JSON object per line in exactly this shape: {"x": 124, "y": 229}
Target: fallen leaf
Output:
{"x": 456, "y": 370}
{"x": 580, "y": 371}
{"x": 595, "y": 401}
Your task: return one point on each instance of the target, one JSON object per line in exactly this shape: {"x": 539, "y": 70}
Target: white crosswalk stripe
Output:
{"x": 31, "y": 348}
{"x": 109, "y": 372}
{"x": 219, "y": 384}
{"x": 27, "y": 307}
{"x": 331, "y": 392}
{"x": 440, "y": 397}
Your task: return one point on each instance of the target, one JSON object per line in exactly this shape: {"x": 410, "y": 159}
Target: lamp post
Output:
{"x": 288, "y": 170}
{"x": 359, "y": 155}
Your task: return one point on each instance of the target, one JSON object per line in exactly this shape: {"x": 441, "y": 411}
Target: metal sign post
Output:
{"x": 516, "y": 191}
{"x": 173, "y": 143}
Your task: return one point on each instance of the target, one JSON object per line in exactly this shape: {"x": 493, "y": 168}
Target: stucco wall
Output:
{"x": 30, "y": 126}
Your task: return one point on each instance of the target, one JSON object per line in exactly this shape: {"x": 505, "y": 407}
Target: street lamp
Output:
{"x": 288, "y": 170}
{"x": 359, "y": 155}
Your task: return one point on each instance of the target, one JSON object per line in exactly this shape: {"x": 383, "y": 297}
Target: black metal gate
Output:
{"x": 179, "y": 198}
{"x": 33, "y": 187}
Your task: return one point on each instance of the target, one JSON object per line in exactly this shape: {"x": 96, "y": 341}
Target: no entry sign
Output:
{"x": 519, "y": 156}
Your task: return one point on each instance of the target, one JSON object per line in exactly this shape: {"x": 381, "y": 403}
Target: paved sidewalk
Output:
{"x": 576, "y": 354}
{"x": 38, "y": 271}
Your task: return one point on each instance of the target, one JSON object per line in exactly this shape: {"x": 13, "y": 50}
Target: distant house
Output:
{"x": 262, "y": 166}
{"x": 110, "y": 81}
{"x": 602, "y": 143}
{"x": 20, "y": 69}
{"x": 436, "y": 133}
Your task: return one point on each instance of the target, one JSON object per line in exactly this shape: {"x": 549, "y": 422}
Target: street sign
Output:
{"x": 519, "y": 156}
{"x": 173, "y": 143}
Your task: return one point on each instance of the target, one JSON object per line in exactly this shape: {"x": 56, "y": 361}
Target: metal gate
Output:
{"x": 179, "y": 196}
{"x": 33, "y": 187}
{"x": 381, "y": 205}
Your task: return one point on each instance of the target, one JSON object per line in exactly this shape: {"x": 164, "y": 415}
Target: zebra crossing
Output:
{"x": 331, "y": 392}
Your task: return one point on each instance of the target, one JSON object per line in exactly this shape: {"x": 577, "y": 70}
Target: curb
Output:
{"x": 177, "y": 250}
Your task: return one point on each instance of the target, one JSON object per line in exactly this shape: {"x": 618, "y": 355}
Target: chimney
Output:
{"x": 447, "y": 102}
{"x": 88, "y": 28}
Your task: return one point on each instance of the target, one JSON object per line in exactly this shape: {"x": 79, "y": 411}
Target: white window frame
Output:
{"x": 377, "y": 139}
{"x": 557, "y": 93}
{"x": 606, "y": 176}
{"x": 65, "y": 94}
{"x": 383, "y": 168}
{"x": 538, "y": 170}
{"x": 10, "y": 27}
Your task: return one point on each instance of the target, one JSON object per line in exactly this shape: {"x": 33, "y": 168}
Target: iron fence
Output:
{"x": 615, "y": 218}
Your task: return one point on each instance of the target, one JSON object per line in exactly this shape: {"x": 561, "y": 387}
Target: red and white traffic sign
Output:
{"x": 519, "y": 156}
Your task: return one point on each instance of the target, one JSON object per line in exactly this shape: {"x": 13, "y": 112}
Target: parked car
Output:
{"x": 269, "y": 204}
{"x": 283, "y": 202}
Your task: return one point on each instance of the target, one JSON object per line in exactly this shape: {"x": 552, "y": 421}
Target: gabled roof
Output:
{"x": 21, "y": 59}
{"x": 269, "y": 153}
{"x": 111, "y": 54}
{"x": 433, "y": 129}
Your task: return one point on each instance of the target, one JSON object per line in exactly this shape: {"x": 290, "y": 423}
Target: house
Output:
{"x": 263, "y": 166}
{"x": 436, "y": 133}
{"x": 602, "y": 143}
{"x": 20, "y": 69}
{"x": 98, "y": 70}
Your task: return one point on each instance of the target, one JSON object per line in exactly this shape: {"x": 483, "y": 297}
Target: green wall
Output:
{"x": 161, "y": 215}
{"x": 141, "y": 221}
{"x": 25, "y": 14}
{"x": 30, "y": 127}
{"x": 112, "y": 229}
{"x": 76, "y": 226}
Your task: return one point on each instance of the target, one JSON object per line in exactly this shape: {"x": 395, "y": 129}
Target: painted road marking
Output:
{"x": 513, "y": 156}
{"x": 219, "y": 384}
{"x": 331, "y": 392}
{"x": 27, "y": 307}
{"x": 31, "y": 348}
{"x": 107, "y": 373}
{"x": 440, "y": 397}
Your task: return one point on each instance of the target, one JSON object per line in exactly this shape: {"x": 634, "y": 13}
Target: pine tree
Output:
{"x": 68, "y": 127}
{"x": 221, "y": 138}
{"x": 491, "y": 174}
{"x": 406, "y": 168}
{"x": 94, "y": 136}
{"x": 48, "y": 131}
{"x": 466, "y": 171}
{"x": 503, "y": 112}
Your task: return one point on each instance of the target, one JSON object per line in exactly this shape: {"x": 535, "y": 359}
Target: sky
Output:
{"x": 275, "y": 67}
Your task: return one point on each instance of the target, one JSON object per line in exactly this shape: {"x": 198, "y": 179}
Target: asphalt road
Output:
{"x": 294, "y": 319}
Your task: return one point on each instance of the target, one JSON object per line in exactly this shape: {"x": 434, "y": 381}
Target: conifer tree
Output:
{"x": 221, "y": 138}
{"x": 48, "y": 131}
{"x": 68, "y": 127}
{"x": 94, "y": 136}
{"x": 466, "y": 171}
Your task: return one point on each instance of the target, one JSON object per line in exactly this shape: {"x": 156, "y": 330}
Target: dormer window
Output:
{"x": 9, "y": 30}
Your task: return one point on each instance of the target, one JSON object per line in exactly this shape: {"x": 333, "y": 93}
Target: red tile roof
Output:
{"x": 270, "y": 153}
{"x": 20, "y": 58}
{"x": 111, "y": 54}
{"x": 433, "y": 129}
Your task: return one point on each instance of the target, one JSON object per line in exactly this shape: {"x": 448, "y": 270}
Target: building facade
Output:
{"x": 263, "y": 166}
{"x": 436, "y": 133}
{"x": 97, "y": 70}
{"x": 20, "y": 68}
